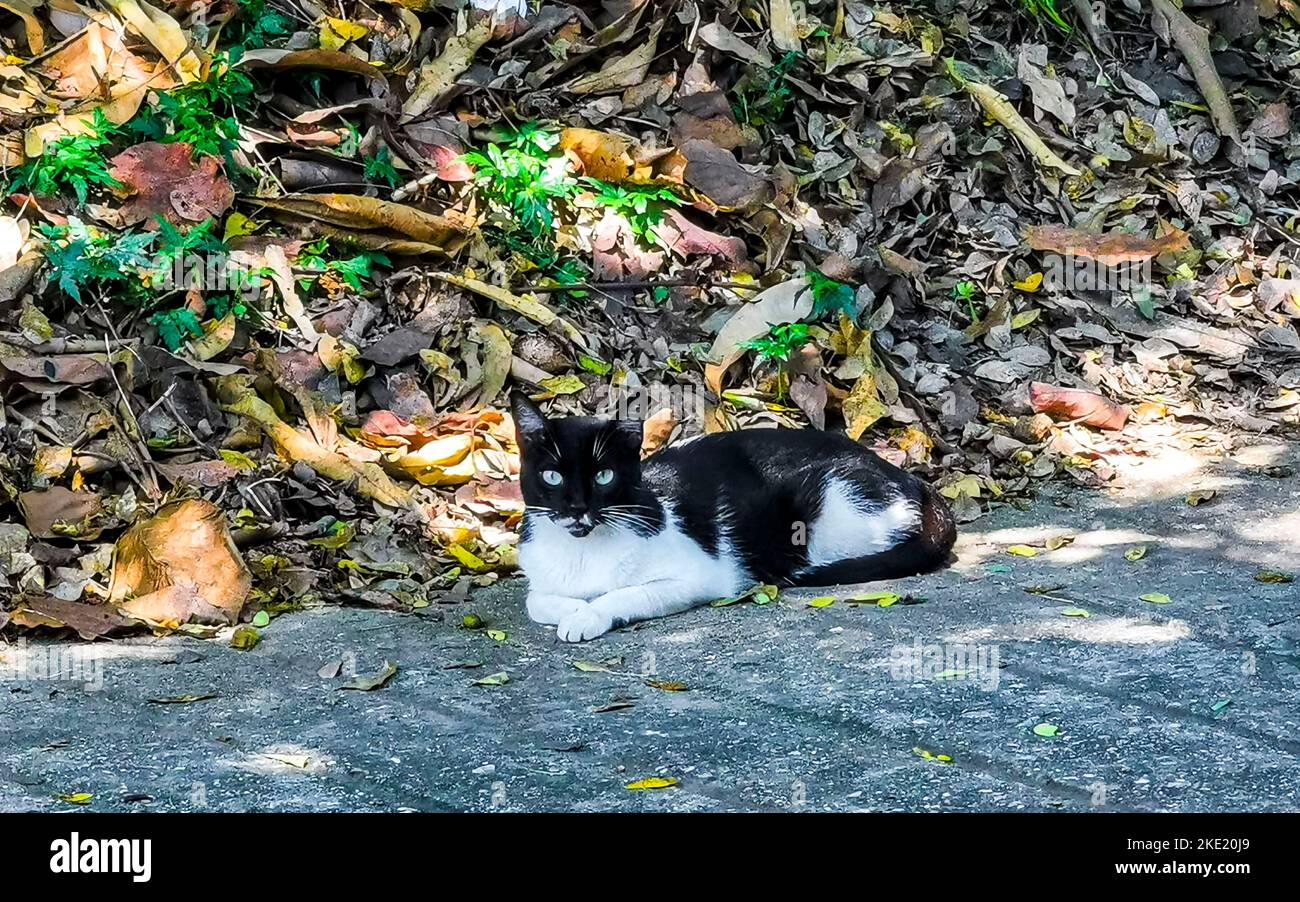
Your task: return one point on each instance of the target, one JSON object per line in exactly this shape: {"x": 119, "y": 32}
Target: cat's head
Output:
{"x": 579, "y": 471}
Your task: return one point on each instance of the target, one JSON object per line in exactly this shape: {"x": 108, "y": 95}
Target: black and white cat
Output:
{"x": 609, "y": 539}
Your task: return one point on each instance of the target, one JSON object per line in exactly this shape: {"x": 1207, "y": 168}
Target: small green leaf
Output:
{"x": 1157, "y": 598}
{"x": 931, "y": 756}
{"x": 594, "y": 365}
{"x": 245, "y": 638}
{"x": 1047, "y": 730}
{"x": 1274, "y": 576}
{"x": 882, "y": 599}
{"x": 951, "y": 674}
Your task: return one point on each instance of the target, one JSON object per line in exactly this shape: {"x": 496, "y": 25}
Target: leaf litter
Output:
{"x": 262, "y": 299}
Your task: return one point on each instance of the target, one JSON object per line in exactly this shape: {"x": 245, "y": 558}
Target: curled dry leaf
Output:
{"x": 331, "y": 60}
{"x": 1109, "y": 248}
{"x": 656, "y": 430}
{"x": 354, "y": 212}
{"x": 371, "y": 682}
{"x": 525, "y": 305}
{"x": 368, "y": 478}
{"x": 454, "y": 450}
{"x": 787, "y": 302}
{"x": 180, "y": 565}
{"x": 998, "y": 107}
{"x": 164, "y": 33}
{"x": 1085, "y": 407}
{"x": 282, "y": 275}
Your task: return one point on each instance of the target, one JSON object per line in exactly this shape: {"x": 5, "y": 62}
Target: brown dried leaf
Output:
{"x": 440, "y": 73}
{"x": 717, "y": 174}
{"x": 179, "y": 565}
{"x": 656, "y": 430}
{"x": 356, "y": 212}
{"x": 166, "y": 181}
{"x": 368, "y": 478}
{"x": 1109, "y": 248}
{"x": 43, "y": 509}
{"x": 1086, "y": 407}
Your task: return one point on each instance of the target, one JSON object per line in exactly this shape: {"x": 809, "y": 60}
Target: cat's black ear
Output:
{"x": 530, "y": 422}
{"x": 630, "y": 433}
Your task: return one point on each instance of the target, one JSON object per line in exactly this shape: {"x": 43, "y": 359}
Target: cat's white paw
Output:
{"x": 548, "y": 609}
{"x": 585, "y": 623}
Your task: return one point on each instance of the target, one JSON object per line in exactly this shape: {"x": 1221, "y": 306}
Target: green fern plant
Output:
{"x": 519, "y": 179}
{"x": 780, "y": 343}
{"x": 642, "y": 206}
{"x": 85, "y": 259}
{"x": 202, "y": 114}
{"x": 73, "y": 161}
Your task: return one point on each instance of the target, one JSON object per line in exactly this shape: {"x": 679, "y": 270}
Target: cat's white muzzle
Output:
{"x": 577, "y": 526}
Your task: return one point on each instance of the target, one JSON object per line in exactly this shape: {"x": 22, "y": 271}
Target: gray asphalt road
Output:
{"x": 1190, "y": 705}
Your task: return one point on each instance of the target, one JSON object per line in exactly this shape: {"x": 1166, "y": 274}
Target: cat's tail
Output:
{"x": 927, "y": 549}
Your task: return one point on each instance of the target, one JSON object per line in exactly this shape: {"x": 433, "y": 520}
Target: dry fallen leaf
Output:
{"x": 180, "y": 565}
{"x": 1108, "y": 248}
{"x": 1086, "y": 407}
{"x": 784, "y": 303}
{"x": 371, "y": 682}
{"x": 165, "y": 180}
{"x": 368, "y": 478}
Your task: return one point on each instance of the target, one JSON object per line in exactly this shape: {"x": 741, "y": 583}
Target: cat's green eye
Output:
{"x": 552, "y": 477}
{"x": 604, "y": 477}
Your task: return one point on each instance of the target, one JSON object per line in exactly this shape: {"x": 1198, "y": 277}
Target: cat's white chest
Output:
{"x": 556, "y": 562}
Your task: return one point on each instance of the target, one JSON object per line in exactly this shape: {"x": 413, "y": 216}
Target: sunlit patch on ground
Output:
{"x": 1097, "y": 630}
{"x": 284, "y": 758}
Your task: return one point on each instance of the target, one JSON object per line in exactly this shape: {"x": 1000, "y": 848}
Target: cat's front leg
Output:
{"x": 621, "y": 606}
{"x": 546, "y": 609}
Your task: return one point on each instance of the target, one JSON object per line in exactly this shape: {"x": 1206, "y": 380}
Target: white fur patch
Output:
{"x": 849, "y": 526}
{"x": 557, "y": 563}
{"x": 586, "y": 586}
